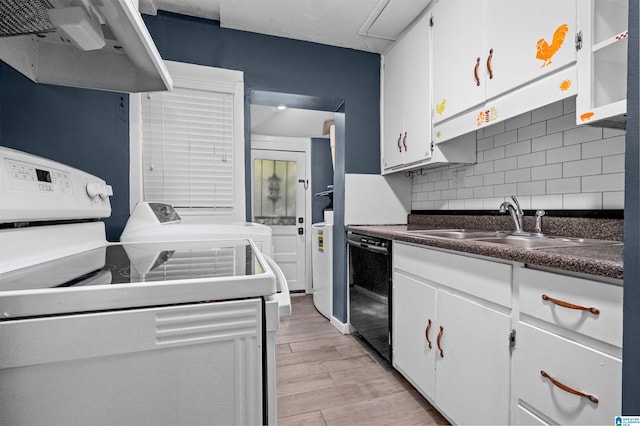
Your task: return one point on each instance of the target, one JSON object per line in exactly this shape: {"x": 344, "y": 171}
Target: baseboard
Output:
{"x": 342, "y": 327}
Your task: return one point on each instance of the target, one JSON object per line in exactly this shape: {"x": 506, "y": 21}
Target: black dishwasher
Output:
{"x": 370, "y": 290}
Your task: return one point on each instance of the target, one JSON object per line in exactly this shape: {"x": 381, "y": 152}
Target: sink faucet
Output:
{"x": 514, "y": 211}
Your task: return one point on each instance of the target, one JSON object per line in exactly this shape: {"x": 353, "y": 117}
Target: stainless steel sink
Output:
{"x": 456, "y": 234}
{"x": 529, "y": 241}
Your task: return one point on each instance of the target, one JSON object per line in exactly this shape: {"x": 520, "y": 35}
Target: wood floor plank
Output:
{"x": 337, "y": 396}
{"x": 326, "y": 378}
{"x": 314, "y": 418}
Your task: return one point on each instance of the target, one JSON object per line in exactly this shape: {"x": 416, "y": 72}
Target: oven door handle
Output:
{"x": 375, "y": 249}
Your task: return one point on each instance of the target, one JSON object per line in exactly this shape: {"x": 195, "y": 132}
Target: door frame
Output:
{"x": 289, "y": 144}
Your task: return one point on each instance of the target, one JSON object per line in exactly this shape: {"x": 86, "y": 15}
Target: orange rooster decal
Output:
{"x": 546, "y": 50}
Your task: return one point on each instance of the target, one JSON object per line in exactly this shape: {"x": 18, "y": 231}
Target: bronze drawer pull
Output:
{"x": 568, "y": 305}
{"x": 426, "y": 333}
{"x": 404, "y": 142}
{"x": 475, "y": 72}
{"x": 489, "y": 64}
{"x": 438, "y": 341}
{"x": 399, "y": 139}
{"x": 566, "y": 388}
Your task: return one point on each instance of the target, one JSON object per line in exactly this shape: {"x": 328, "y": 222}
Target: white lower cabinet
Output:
{"x": 567, "y": 366}
{"x": 499, "y": 343}
{"x": 453, "y": 347}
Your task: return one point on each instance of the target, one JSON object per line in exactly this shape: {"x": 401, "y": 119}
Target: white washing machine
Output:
{"x": 150, "y": 222}
{"x": 322, "y": 266}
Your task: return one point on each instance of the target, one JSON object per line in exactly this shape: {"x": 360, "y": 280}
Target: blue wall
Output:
{"x": 87, "y": 129}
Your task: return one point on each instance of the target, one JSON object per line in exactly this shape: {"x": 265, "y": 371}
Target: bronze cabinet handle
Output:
{"x": 568, "y": 305}
{"x": 475, "y": 72}
{"x": 426, "y": 333}
{"x": 489, "y": 64}
{"x": 566, "y": 388}
{"x": 399, "y": 139}
{"x": 438, "y": 341}
{"x": 404, "y": 142}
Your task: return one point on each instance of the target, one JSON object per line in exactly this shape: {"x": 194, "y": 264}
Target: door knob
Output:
{"x": 300, "y": 231}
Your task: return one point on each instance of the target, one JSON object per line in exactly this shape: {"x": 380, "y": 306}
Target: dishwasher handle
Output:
{"x": 375, "y": 249}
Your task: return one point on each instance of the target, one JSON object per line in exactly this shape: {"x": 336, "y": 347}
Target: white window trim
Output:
{"x": 209, "y": 78}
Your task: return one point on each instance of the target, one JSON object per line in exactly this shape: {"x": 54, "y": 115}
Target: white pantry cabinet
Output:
{"x": 567, "y": 366}
{"x": 487, "y": 50}
{"x": 452, "y": 346}
{"x": 406, "y": 105}
{"x": 602, "y": 63}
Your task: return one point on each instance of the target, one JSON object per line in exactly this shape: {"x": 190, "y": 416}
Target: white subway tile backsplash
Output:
{"x": 559, "y": 124}
{"x": 542, "y": 157}
{"x": 603, "y": 183}
{"x": 518, "y": 121}
{"x": 613, "y": 200}
{"x": 563, "y": 186}
{"x": 546, "y": 112}
{"x": 589, "y": 167}
{"x": 603, "y": 147}
{"x": 531, "y": 160}
{"x": 517, "y": 175}
{"x": 553, "y": 171}
{"x": 562, "y": 155}
{"x": 533, "y": 131}
{"x": 587, "y": 201}
{"x": 505, "y": 138}
{"x": 582, "y": 134}
{"x": 546, "y": 142}
{"x": 518, "y": 148}
{"x": 613, "y": 164}
{"x": 531, "y": 188}
{"x": 505, "y": 164}
{"x": 493, "y": 179}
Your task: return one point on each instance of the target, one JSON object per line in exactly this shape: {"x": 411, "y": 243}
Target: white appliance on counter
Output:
{"x": 165, "y": 332}
{"x": 151, "y": 221}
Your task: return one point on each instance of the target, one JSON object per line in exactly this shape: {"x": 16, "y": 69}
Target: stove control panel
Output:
{"x": 37, "y": 189}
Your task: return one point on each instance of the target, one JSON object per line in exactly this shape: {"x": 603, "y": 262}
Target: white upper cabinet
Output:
{"x": 458, "y": 57}
{"x": 406, "y": 106}
{"x": 495, "y": 59}
{"x": 602, "y": 63}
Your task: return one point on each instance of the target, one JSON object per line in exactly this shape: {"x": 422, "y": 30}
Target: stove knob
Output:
{"x": 93, "y": 189}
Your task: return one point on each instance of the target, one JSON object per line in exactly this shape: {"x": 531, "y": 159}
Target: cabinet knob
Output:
{"x": 475, "y": 72}
{"x": 489, "y": 64}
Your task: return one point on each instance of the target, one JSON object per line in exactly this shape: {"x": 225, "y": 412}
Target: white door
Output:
{"x": 279, "y": 186}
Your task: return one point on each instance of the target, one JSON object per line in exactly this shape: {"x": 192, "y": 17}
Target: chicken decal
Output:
{"x": 545, "y": 50}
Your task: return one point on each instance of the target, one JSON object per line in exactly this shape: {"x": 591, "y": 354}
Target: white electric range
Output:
{"x": 91, "y": 332}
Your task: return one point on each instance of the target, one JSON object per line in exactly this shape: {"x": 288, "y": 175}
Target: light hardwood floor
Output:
{"x": 326, "y": 378}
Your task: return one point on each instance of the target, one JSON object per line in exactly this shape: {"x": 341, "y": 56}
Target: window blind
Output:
{"x": 187, "y": 148}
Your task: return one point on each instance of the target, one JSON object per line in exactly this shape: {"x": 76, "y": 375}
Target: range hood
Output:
{"x": 96, "y": 44}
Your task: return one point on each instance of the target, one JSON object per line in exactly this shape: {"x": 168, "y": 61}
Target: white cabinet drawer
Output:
{"x": 572, "y": 365}
{"x": 606, "y": 325}
{"x": 482, "y": 278}
{"x": 526, "y": 417}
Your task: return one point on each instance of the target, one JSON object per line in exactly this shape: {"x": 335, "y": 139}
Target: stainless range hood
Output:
{"x": 96, "y": 44}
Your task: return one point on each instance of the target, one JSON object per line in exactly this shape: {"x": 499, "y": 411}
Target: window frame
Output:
{"x": 204, "y": 78}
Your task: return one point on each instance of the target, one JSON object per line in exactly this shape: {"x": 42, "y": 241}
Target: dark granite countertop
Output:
{"x": 599, "y": 260}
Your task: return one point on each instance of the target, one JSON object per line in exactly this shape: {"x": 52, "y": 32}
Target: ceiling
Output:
{"x": 291, "y": 122}
{"x": 368, "y": 25}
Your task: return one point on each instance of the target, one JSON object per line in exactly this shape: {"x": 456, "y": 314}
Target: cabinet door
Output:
{"x": 472, "y": 371}
{"x": 413, "y": 309}
{"x": 458, "y": 57}
{"x": 393, "y": 106}
{"x": 417, "y": 102}
{"x": 527, "y": 39}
